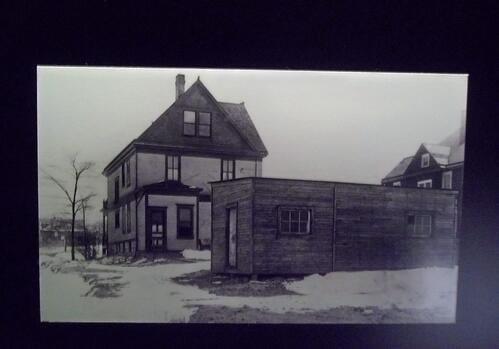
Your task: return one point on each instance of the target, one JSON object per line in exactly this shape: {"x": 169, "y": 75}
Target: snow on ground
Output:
{"x": 149, "y": 295}
{"x": 193, "y": 254}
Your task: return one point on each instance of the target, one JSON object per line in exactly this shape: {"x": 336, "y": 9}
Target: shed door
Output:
{"x": 232, "y": 236}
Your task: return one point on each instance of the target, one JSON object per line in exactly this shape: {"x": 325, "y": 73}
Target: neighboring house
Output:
{"x": 158, "y": 196}
{"x": 283, "y": 226}
{"x": 433, "y": 166}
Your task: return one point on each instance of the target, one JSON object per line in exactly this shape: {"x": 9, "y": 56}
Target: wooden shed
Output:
{"x": 284, "y": 226}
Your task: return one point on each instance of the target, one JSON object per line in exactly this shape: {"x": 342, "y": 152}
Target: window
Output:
{"x": 295, "y": 220}
{"x": 228, "y": 169}
{"x": 447, "y": 180}
{"x": 173, "y": 168}
{"x": 185, "y": 222}
{"x": 123, "y": 217}
{"x": 117, "y": 218}
{"x": 189, "y": 123}
{"x": 197, "y": 123}
{"x": 425, "y": 160}
{"x": 204, "y": 124}
{"x": 427, "y": 183}
{"x": 396, "y": 184}
{"x": 128, "y": 218}
{"x": 127, "y": 172}
{"x": 123, "y": 174}
{"x": 419, "y": 224}
{"x": 116, "y": 189}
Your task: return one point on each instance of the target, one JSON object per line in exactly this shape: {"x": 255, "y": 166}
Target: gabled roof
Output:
{"x": 447, "y": 152}
{"x": 400, "y": 168}
{"x": 238, "y": 114}
{"x": 235, "y": 113}
{"x": 439, "y": 152}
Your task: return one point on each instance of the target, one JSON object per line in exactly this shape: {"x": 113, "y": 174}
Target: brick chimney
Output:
{"x": 179, "y": 85}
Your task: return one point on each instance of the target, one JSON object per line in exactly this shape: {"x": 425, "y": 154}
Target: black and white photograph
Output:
{"x": 182, "y": 195}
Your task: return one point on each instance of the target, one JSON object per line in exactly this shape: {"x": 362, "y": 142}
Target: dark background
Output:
{"x": 445, "y": 37}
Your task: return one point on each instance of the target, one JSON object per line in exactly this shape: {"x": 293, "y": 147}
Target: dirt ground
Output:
{"x": 351, "y": 315}
{"x": 235, "y": 286}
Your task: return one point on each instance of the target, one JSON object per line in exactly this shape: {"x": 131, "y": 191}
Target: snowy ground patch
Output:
{"x": 193, "y": 254}
{"x": 147, "y": 293}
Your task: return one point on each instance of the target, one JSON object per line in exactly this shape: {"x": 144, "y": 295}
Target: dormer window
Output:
{"x": 197, "y": 123}
{"x": 425, "y": 160}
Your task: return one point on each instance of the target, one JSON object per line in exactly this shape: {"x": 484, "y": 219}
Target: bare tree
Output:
{"x": 83, "y": 205}
{"x": 71, "y": 192}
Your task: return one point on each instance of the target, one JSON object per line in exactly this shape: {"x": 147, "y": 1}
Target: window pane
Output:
{"x": 189, "y": 116}
{"x": 156, "y": 217}
{"x": 204, "y": 118}
{"x": 160, "y": 228}
{"x": 303, "y": 227}
{"x": 204, "y": 130}
{"x": 294, "y": 215}
{"x": 185, "y": 214}
{"x": 189, "y": 129}
{"x": 285, "y": 226}
{"x": 153, "y": 228}
{"x": 294, "y": 227}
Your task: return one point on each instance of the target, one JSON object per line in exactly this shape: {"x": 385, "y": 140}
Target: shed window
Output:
{"x": 419, "y": 224}
{"x": 425, "y": 160}
{"x": 447, "y": 180}
{"x": 185, "y": 222}
{"x": 295, "y": 220}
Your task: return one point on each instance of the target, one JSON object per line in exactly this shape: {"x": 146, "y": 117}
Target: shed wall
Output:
{"x": 240, "y": 193}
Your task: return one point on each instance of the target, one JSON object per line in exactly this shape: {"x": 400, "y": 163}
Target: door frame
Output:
{"x": 164, "y": 210}
{"x": 227, "y": 235}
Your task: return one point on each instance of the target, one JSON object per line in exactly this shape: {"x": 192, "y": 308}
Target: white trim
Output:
{"x": 425, "y": 160}
{"x": 426, "y": 183}
{"x": 396, "y": 184}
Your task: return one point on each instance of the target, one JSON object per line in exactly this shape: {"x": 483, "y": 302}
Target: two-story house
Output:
{"x": 158, "y": 192}
{"x": 438, "y": 166}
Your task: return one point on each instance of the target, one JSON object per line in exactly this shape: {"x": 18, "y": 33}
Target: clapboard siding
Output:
{"x": 302, "y": 254}
{"x": 371, "y": 228}
{"x": 354, "y": 227}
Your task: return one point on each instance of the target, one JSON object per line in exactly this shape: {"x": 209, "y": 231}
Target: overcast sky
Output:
{"x": 316, "y": 125}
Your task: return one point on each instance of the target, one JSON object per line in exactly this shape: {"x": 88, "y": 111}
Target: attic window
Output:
{"x": 425, "y": 160}
{"x": 197, "y": 123}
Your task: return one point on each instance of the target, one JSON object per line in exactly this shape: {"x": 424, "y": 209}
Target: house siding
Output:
{"x": 171, "y": 202}
{"x": 151, "y": 168}
{"x": 124, "y": 190}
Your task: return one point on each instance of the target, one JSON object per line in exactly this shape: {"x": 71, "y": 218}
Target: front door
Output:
{"x": 156, "y": 229}
{"x": 232, "y": 237}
